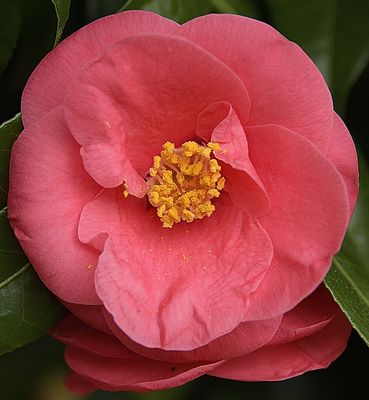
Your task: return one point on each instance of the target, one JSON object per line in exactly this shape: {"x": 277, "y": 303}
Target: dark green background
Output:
{"x": 35, "y": 371}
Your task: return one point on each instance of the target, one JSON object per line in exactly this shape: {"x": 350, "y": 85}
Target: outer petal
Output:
{"x": 284, "y": 85}
{"x": 78, "y": 385}
{"x": 162, "y": 290}
{"x": 106, "y": 363}
{"x": 118, "y": 374}
{"x": 143, "y": 91}
{"x": 274, "y": 363}
{"x": 247, "y": 337}
{"x": 90, "y": 315}
{"x": 342, "y": 153}
{"x": 310, "y": 336}
{"x": 307, "y": 318}
{"x": 74, "y": 332}
{"x": 220, "y": 123}
{"x": 307, "y": 221}
{"x": 48, "y": 189}
{"x": 45, "y": 88}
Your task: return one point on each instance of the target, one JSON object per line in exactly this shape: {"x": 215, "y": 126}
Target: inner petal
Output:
{"x": 143, "y": 91}
{"x": 220, "y": 123}
{"x": 179, "y": 288}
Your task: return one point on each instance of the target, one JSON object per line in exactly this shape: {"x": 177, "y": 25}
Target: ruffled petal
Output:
{"x": 48, "y": 189}
{"x": 307, "y": 318}
{"x": 274, "y": 363}
{"x": 307, "y": 221}
{"x": 284, "y": 85}
{"x": 46, "y": 87}
{"x": 163, "y": 291}
{"x": 341, "y": 152}
{"x": 107, "y": 364}
{"x": 220, "y": 124}
{"x": 247, "y": 337}
{"x": 117, "y": 374}
{"x": 143, "y": 91}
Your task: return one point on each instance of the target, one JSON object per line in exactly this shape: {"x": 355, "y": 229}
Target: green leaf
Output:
{"x": 335, "y": 33}
{"x": 242, "y": 7}
{"x": 344, "y": 281}
{"x": 62, "y": 14}
{"x": 9, "y": 29}
{"x": 27, "y": 308}
{"x": 177, "y": 10}
{"x": 9, "y": 132}
{"x": 348, "y": 279}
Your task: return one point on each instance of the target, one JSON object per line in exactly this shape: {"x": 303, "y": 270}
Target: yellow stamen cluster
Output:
{"x": 183, "y": 181}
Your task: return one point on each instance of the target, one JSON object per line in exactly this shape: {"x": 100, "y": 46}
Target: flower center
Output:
{"x": 183, "y": 181}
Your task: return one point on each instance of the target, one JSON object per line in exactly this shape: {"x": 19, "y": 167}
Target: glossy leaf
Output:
{"x": 178, "y": 10}
{"x": 9, "y": 29}
{"x": 348, "y": 279}
{"x": 241, "y": 7}
{"x": 27, "y": 308}
{"x": 9, "y": 131}
{"x": 335, "y": 33}
{"x": 62, "y": 14}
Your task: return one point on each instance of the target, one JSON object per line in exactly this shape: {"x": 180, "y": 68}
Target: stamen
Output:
{"x": 183, "y": 181}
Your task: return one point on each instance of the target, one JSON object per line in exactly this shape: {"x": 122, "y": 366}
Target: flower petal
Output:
{"x": 273, "y": 363}
{"x": 143, "y": 91}
{"x": 342, "y": 153}
{"x": 247, "y": 337}
{"x": 78, "y": 385}
{"x": 307, "y": 221}
{"x": 46, "y": 87}
{"x": 220, "y": 124}
{"x": 162, "y": 290}
{"x": 48, "y": 189}
{"x": 106, "y": 363}
{"x": 116, "y": 374}
{"x": 74, "y": 332}
{"x": 90, "y": 315}
{"x": 307, "y": 318}
{"x": 284, "y": 85}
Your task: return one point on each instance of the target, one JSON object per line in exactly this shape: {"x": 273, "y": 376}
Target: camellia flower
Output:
{"x": 183, "y": 189}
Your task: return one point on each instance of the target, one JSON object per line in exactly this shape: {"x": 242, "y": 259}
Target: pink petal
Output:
{"x": 143, "y": 91}
{"x": 48, "y": 189}
{"x": 107, "y": 363}
{"x": 74, "y": 332}
{"x": 118, "y": 374}
{"x": 104, "y": 361}
{"x": 90, "y": 315}
{"x": 273, "y": 363}
{"x": 307, "y": 221}
{"x": 247, "y": 337}
{"x": 342, "y": 154}
{"x": 163, "y": 290}
{"x": 284, "y": 85}
{"x": 78, "y": 385}
{"x": 220, "y": 124}
{"x": 45, "y": 88}
{"x": 307, "y": 318}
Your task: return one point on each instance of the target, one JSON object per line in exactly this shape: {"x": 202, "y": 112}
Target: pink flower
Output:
{"x": 183, "y": 189}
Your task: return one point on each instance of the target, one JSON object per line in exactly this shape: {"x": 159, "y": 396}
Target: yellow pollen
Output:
{"x": 221, "y": 183}
{"x": 125, "y": 190}
{"x": 214, "y": 146}
{"x": 183, "y": 182}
